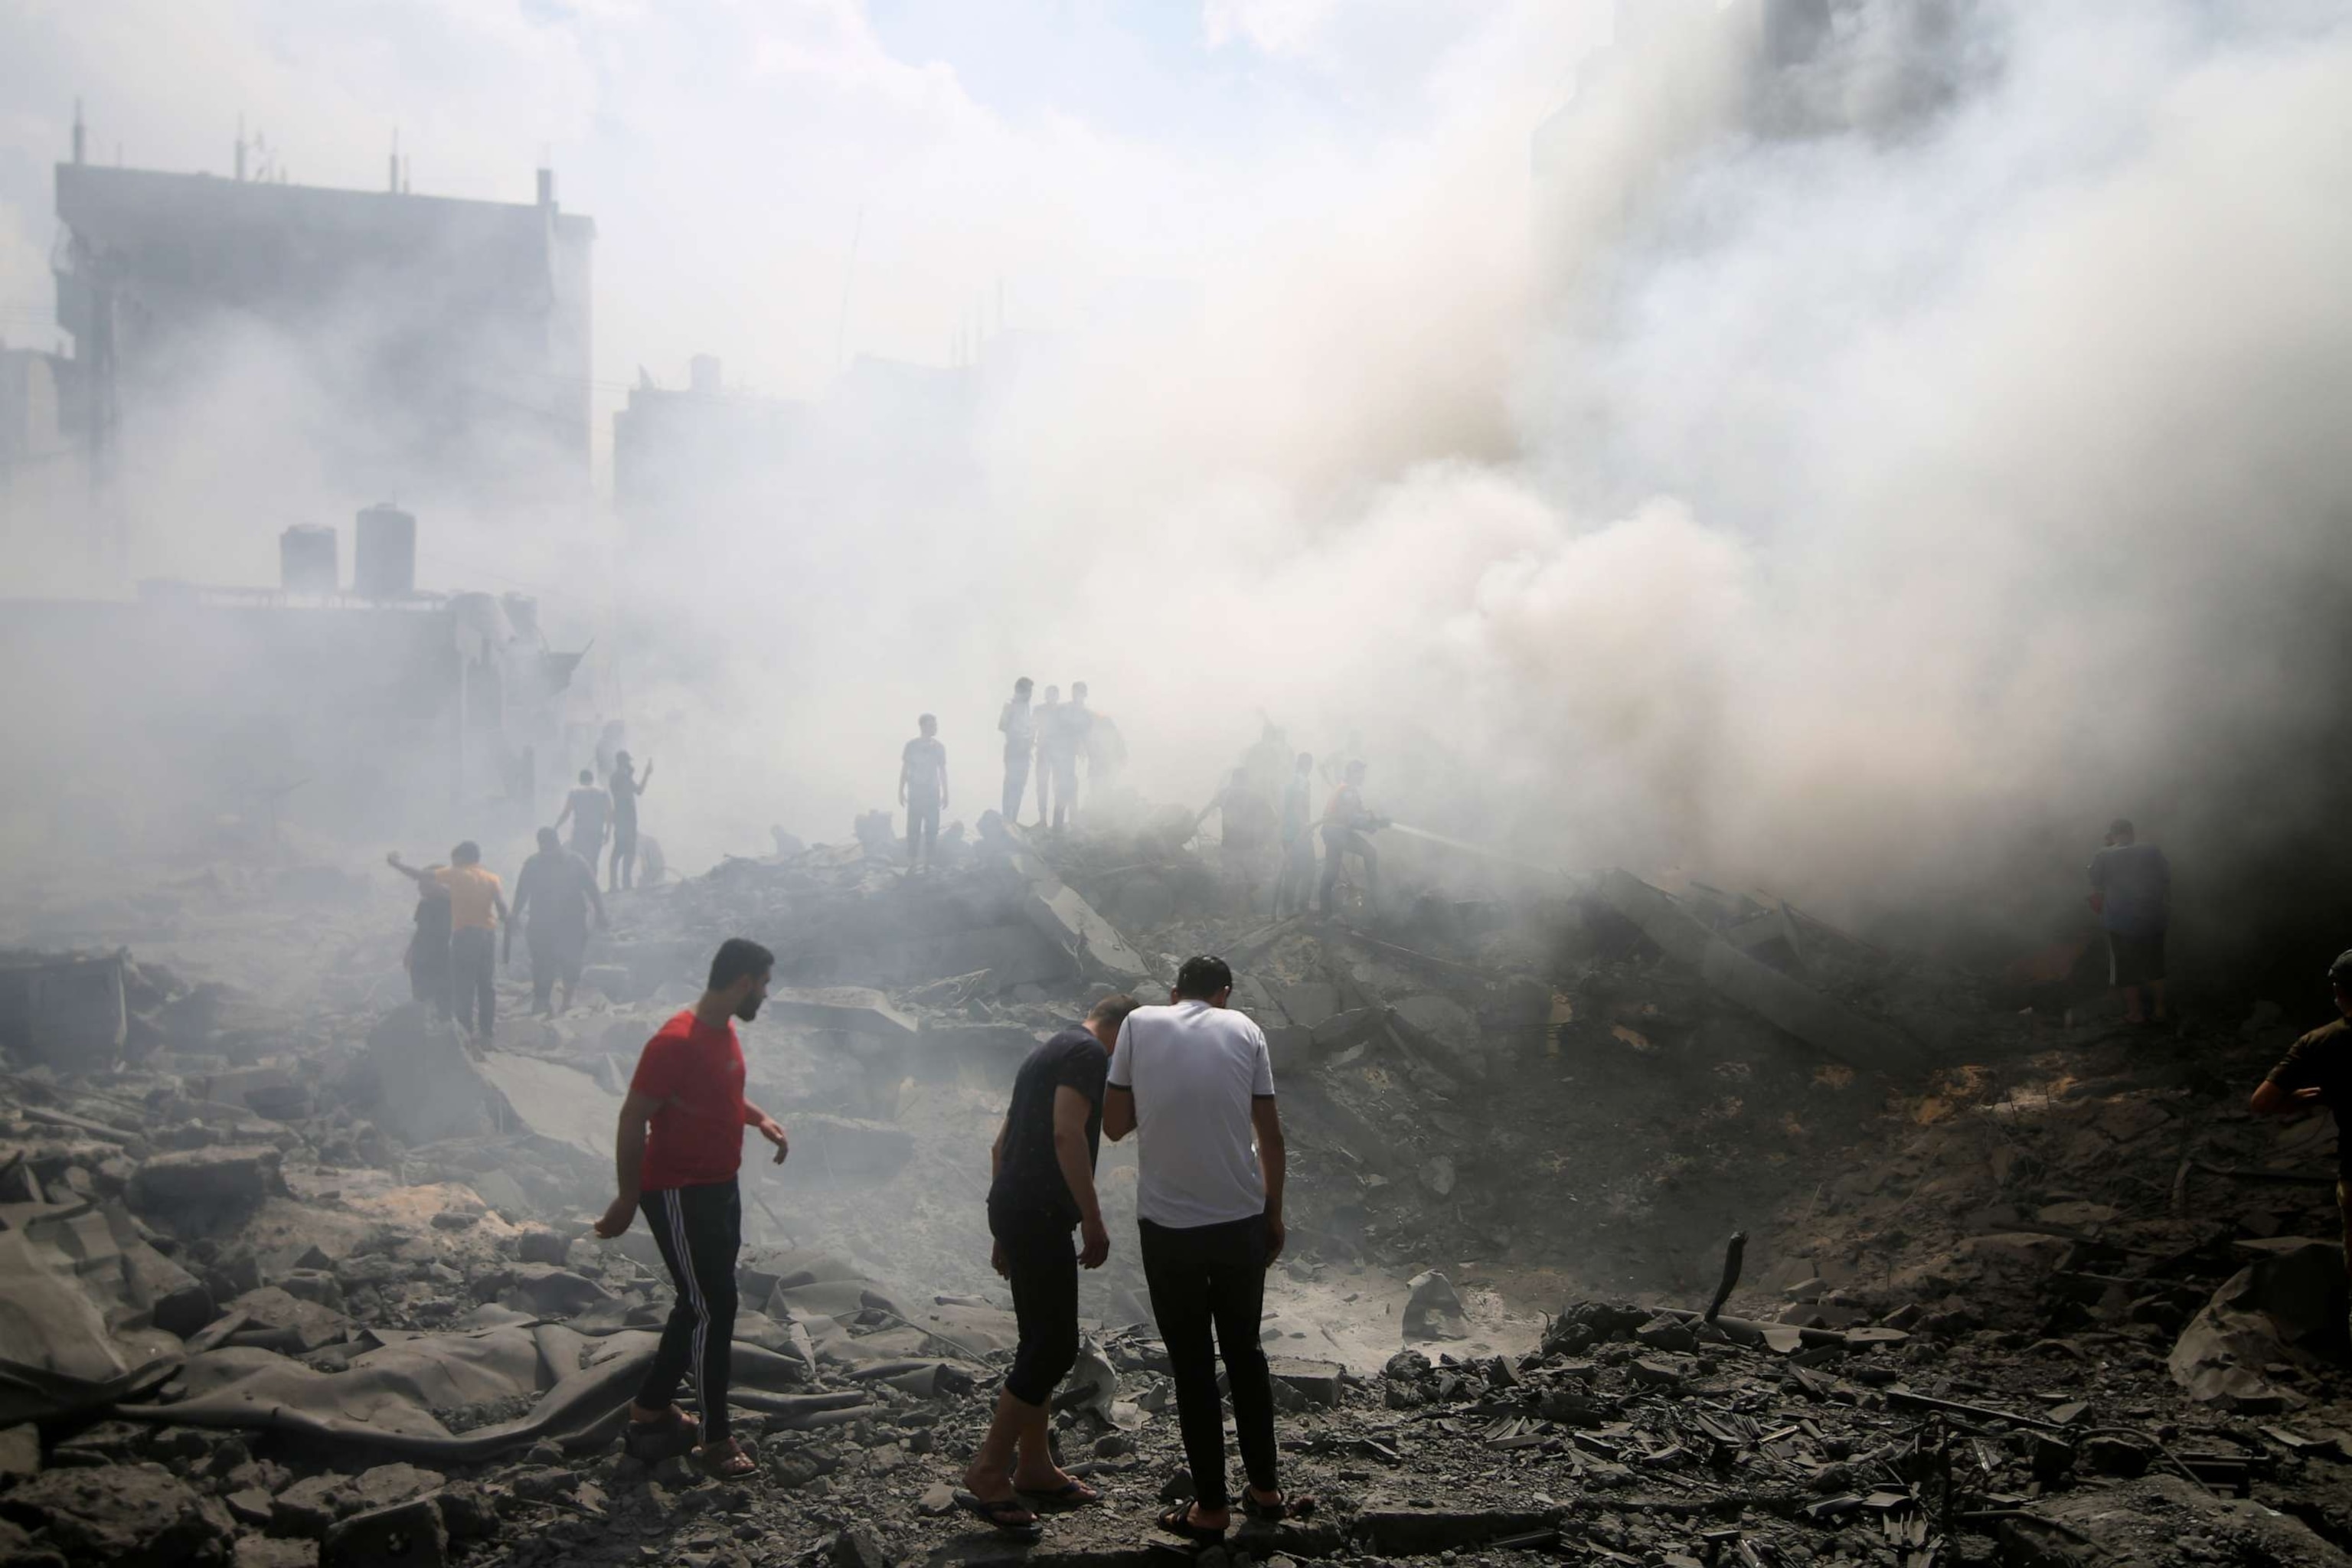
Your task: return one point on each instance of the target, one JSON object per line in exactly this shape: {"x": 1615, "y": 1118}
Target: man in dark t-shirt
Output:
{"x": 2131, "y": 887}
{"x": 923, "y": 790}
{"x": 1043, "y": 1186}
{"x": 2317, "y": 1071}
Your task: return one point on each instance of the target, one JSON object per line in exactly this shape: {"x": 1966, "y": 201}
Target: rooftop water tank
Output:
{"x": 307, "y": 563}
{"x": 384, "y": 562}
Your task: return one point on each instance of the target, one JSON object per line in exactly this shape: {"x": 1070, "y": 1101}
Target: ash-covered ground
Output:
{"x": 294, "y": 1277}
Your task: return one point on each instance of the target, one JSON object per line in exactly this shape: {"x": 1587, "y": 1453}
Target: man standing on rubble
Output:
{"x": 590, "y": 811}
{"x": 1075, "y": 728}
{"x": 2131, "y": 887}
{"x": 626, "y": 787}
{"x": 2317, "y": 1072}
{"x": 923, "y": 791}
{"x": 1248, "y": 825}
{"x": 556, "y": 888}
{"x": 476, "y": 905}
{"x": 1042, "y": 1185}
{"x": 1194, "y": 1078}
{"x": 1047, "y": 722}
{"x": 1345, "y": 824}
{"x": 1020, "y": 731}
{"x": 1298, "y": 875}
{"x": 675, "y": 1156}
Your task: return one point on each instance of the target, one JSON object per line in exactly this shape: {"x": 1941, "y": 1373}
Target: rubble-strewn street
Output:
{"x": 295, "y": 1277}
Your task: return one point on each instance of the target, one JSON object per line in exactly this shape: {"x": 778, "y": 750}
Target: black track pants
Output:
{"x": 699, "y": 1231}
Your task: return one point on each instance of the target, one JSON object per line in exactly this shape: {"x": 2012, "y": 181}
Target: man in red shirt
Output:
{"x": 680, "y": 1146}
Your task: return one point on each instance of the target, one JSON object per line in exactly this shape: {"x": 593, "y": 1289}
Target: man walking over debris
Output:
{"x": 1194, "y": 1082}
{"x": 428, "y": 949}
{"x": 590, "y": 811}
{"x": 476, "y": 905}
{"x": 2317, "y": 1072}
{"x": 1297, "y": 874}
{"x": 556, "y": 888}
{"x": 626, "y": 787}
{"x": 1043, "y": 1184}
{"x": 675, "y": 1156}
{"x": 1344, "y": 824}
{"x": 923, "y": 790}
{"x": 1248, "y": 824}
{"x": 1020, "y": 731}
{"x": 2131, "y": 887}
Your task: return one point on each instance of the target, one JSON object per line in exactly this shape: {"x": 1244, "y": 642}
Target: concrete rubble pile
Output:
{"x": 309, "y": 1281}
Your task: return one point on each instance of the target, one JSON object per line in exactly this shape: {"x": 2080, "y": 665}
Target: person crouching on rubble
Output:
{"x": 1042, "y": 1185}
{"x": 476, "y": 905}
{"x": 675, "y": 1156}
{"x": 2317, "y": 1071}
{"x": 1194, "y": 1082}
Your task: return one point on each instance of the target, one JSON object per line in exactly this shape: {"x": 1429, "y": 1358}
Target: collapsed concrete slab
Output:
{"x": 1780, "y": 999}
{"x": 66, "y": 1010}
{"x": 853, "y": 1008}
{"x": 428, "y": 1088}
{"x": 1065, "y": 920}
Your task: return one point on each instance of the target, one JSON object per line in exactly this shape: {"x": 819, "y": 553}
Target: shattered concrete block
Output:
{"x": 1319, "y": 1383}
{"x": 66, "y": 1010}
{"x": 405, "y": 1535}
{"x": 128, "y": 1516}
{"x": 20, "y": 1453}
{"x": 1062, "y": 917}
{"x": 1434, "y": 1312}
{"x": 854, "y": 1008}
{"x": 2142, "y": 1522}
{"x": 859, "y": 1546}
{"x": 307, "y": 1508}
{"x": 428, "y": 1088}
{"x": 224, "y": 1177}
{"x": 537, "y": 1244}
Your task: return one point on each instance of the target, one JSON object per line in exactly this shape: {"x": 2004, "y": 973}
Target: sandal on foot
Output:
{"x": 1283, "y": 1507}
{"x": 999, "y": 1513}
{"x": 729, "y": 1463}
{"x": 672, "y": 1433}
{"x": 1062, "y": 1498}
{"x": 1178, "y": 1522}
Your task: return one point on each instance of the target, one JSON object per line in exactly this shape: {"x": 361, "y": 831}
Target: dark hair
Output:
{"x": 1203, "y": 976}
{"x": 736, "y": 957}
{"x": 548, "y": 839}
{"x": 466, "y": 854}
{"x": 2340, "y": 971}
{"x": 1024, "y": 681}
{"x": 1112, "y": 1009}
{"x": 586, "y": 777}
{"x": 926, "y": 719}
{"x": 2121, "y": 827}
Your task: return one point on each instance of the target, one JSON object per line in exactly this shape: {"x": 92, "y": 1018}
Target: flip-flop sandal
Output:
{"x": 1178, "y": 1522}
{"x": 995, "y": 1513}
{"x": 1076, "y": 1494}
{"x": 667, "y": 1436}
{"x": 1274, "y": 1512}
{"x": 729, "y": 1464}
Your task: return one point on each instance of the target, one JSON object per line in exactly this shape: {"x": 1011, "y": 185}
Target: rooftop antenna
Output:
{"x": 80, "y": 134}
{"x": 391, "y": 176}
{"x": 405, "y": 186}
{"x": 240, "y": 149}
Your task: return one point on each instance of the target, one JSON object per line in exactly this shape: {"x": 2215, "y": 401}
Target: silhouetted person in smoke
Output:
{"x": 1195, "y": 1080}
{"x": 1041, "y": 1187}
{"x": 2131, "y": 887}
{"x": 557, "y": 889}
{"x": 2315, "y": 1074}
{"x": 429, "y": 979}
{"x": 590, "y": 812}
{"x": 476, "y": 905}
{"x": 923, "y": 790}
{"x": 626, "y": 787}
{"x": 675, "y": 1156}
{"x": 1247, "y": 829}
{"x": 1020, "y": 731}
{"x": 1064, "y": 740}
{"x": 1345, "y": 824}
{"x": 1294, "y": 885}
{"x": 1046, "y": 721}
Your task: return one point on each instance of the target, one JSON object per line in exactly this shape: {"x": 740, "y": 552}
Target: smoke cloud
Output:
{"x": 1859, "y": 471}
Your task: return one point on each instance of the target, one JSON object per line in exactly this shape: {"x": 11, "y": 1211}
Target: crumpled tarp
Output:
{"x": 77, "y": 1284}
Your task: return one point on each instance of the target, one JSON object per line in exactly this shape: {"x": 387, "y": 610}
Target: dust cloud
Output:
{"x": 1858, "y": 465}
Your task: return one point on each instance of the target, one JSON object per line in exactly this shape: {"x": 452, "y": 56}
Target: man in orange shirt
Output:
{"x": 675, "y": 1156}
{"x": 476, "y": 905}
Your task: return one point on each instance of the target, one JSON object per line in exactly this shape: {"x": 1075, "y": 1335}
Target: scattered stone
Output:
{"x": 859, "y": 1546}
{"x": 227, "y": 1176}
{"x": 406, "y": 1535}
{"x": 1434, "y": 1312}
{"x": 127, "y": 1516}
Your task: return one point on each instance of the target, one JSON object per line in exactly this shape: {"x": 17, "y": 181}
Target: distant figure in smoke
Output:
{"x": 1041, "y": 1187}
{"x": 677, "y": 1153}
{"x": 1020, "y": 731}
{"x": 2315, "y": 1074}
{"x": 1344, "y": 824}
{"x": 923, "y": 790}
{"x": 1247, "y": 828}
{"x": 477, "y": 904}
{"x": 556, "y": 888}
{"x": 1194, "y": 1082}
{"x": 1265, "y": 760}
{"x": 590, "y": 812}
{"x": 1047, "y": 722}
{"x": 2131, "y": 887}
{"x": 1292, "y": 886}
{"x": 626, "y": 787}
{"x": 428, "y": 949}
{"x": 1077, "y": 731}
{"x": 1106, "y": 754}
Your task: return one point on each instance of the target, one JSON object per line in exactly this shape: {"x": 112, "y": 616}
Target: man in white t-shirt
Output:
{"x": 1193, "y": 1078}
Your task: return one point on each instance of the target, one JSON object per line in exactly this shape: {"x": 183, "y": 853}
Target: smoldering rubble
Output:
{"x": 302, "y": 1278}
